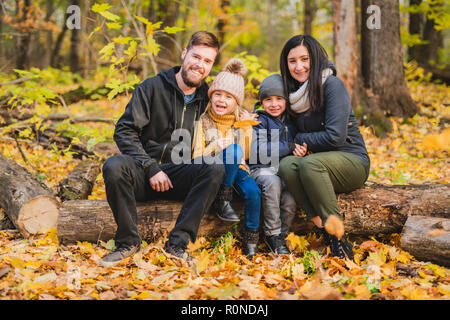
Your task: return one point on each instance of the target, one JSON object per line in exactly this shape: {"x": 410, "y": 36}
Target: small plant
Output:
{"x": 222, "y": 246}
{"x": 308, "y": 261}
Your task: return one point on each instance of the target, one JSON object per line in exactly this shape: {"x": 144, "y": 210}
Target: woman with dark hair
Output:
{"x": 337, "y": 159}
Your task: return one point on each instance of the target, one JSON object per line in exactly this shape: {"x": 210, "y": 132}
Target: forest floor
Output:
{"x": 415, "y": 152}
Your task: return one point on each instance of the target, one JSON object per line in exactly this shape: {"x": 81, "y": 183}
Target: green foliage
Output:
{"x": 415, "y": 75}
{"x": 120, "y": 51}
{"x": 308, "y": 261}
{"x": 437, "y": 10}
{"x": 222, "y": 246}
{"x": 255, "y": 71}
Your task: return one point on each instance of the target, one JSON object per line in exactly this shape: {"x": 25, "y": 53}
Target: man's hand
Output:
{"x": 300, "y": 150}
{"x": 160, "y": 182}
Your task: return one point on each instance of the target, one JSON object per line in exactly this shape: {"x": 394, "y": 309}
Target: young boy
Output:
{"x": 273, "y": 139}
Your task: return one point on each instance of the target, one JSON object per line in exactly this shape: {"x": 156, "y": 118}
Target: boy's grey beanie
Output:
{"x": 271, "y": 86}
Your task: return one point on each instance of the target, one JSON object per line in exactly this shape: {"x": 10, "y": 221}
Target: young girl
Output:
{"x": 223, "y": 133}
{"x": 320, "y": 106}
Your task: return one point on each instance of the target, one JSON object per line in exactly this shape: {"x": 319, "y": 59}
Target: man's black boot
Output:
{"x": 222, "y": 204}
{"x": 251, "y": 238}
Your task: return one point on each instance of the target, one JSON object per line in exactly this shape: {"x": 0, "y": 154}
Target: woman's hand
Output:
{"x": 300, "y": 150}
{"x": 245, "y": 115}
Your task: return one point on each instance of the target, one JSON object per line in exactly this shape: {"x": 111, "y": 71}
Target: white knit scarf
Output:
{"x": 299, "y": 99}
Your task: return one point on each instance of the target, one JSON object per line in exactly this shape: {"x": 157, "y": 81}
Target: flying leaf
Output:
{"x": 334, "y": 226}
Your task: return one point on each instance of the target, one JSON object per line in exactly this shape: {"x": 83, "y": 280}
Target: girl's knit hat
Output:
{"x": 231, "y": 80}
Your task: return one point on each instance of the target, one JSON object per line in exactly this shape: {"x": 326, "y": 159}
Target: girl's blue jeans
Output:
{"x": 243, "y": 183}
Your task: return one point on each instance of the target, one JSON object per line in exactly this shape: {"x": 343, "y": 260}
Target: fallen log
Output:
{"x": 383, "y": 209}
{"x": 30, "y": 205}
{"x": 79, "y": 183}
{"x": 428, "y": 239}
{"x": 372, "y": 210}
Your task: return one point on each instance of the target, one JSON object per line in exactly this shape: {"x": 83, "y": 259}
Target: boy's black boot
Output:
{"x": 222, "y": 204}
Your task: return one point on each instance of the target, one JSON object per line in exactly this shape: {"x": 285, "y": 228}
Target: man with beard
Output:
{"x": 145, "y": 169}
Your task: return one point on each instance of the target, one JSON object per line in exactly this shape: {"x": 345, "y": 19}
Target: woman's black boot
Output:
{"x": 341, "y": 247}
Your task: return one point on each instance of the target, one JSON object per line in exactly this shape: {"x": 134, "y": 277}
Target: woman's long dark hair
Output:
{"x": 318, "y": 59}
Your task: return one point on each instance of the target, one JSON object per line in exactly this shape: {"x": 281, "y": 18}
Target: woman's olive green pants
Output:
{"x": 315, "y": 179}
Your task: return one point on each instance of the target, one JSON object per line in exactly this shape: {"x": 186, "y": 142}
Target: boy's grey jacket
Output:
{"x": 335, "y": 128}
{"x": 155, "y": 110}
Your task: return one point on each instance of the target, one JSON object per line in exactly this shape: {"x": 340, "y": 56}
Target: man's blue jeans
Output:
{"x": 243, "y": 183}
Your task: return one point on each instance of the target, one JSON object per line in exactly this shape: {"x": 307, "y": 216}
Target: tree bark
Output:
{"x": 79, "y": 183}
{"x": 48, "y": 35}
{"x": 75, "y": 45}
{"x": 428, "y": 239}
{"x": 382, "y": 61}
{"x": 309, "y": 17}
{"x": 23, "y": 42}
{"x": 168, "y": 14}
{"x": 415, "y": 27}
{"x": 221, "y": 25}
{"x": 346, "y": 46}
{"x": 29, "y": 204}
{"x": 372, "y": 210}
{"x": 54, "y": 61}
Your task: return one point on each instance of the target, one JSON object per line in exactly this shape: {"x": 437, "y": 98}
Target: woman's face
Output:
{"x": 298, "y": 63}
{"x": 222, "y": 102}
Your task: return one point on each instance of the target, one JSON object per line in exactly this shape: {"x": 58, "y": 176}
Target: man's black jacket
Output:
{"x": 155, "y": 110}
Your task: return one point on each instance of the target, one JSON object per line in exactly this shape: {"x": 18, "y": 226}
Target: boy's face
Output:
{"x": 274, "y": 105}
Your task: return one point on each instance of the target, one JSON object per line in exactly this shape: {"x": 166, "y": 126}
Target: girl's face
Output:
{"x": 222, "y": 102}
{"x": 274, "y": 105}
{"x": 298, "y": 63}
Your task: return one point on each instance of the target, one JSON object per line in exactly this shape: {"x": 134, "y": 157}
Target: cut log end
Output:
{"x": 427, "y": 238}
{"x": 38, "y": 215}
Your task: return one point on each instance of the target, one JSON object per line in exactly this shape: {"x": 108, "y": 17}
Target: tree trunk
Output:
{"x": 48, "y": 35}
{"x": 221, "y": 25}
{"x": 346, "y": 46}
{"x": 371, "y": 210}
{"x": 23, "y": 42}
{"x": 168, "y": 14}
{"x": 79, "y": 183}
{"x": 54, "y": 61}
{"x": 29, "y": 204}
{"x": 309, "y": 17}
{"x": 428, "y": 239}
{"x": 75, "y": 45}
{"x": 294, "y": 18}
{"x": 415, "y": 27}
{"x": 382, "y": 61}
